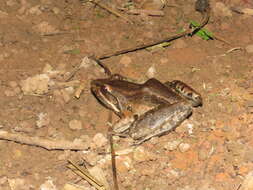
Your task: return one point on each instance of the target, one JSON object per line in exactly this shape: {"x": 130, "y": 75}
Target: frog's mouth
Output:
{"x": 106, "y": 98}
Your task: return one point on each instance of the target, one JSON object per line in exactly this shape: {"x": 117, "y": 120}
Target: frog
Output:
{"x": 148, "y": 109}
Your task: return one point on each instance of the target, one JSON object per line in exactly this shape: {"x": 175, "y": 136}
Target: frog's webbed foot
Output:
{"x": 185, "y": 91}
{"x": 159, "y": 121}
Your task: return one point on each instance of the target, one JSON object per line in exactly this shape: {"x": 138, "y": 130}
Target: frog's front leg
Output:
{"x": 159, "y": 121}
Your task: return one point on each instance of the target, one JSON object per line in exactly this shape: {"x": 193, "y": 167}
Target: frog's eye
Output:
{"x": 106, "y": 88}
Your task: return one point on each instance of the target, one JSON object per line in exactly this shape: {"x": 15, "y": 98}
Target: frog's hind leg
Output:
{"x": 159, "y": 121}
{"x": 185, "y": 91}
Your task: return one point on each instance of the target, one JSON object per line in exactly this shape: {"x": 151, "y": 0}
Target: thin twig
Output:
{"x": 216, "y": 37}
{"x": 111, "y": 10}
{"x": 110, "y": 130}
{"x": 106, "y": 69}
{"x": 72, "y": 73}
{"x": 206, "y": 16}
{"x": 113, "y": 156}
{"x": 83, "y": 173}
{"x": 44, "y": 143}
{"x": 143, "y": 11}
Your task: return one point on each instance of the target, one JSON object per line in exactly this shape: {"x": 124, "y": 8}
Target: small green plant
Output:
{"x": 203, "y": 33}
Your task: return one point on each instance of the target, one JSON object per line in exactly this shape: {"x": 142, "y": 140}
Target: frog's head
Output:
{"x": 104, "y": 92}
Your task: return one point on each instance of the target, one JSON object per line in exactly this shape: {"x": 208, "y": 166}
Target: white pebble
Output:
{"x": 172, "y": 145}
{"x": 151, "y": 72}
{"x": 75, "y": 124}
{"x": 99, "y": 140}
{"x": 249, "y": 48}
{"x": 43, "y": 120}
{"x": 248, "y": 182}
{"x": 183, "y": 147}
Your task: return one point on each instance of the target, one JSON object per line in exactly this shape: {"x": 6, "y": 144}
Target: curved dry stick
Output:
{"x": 201, "y": 5}
{"x": 44, "y": 143}
{"x": 205, "y": 18}
{"x": 113, "y": 155}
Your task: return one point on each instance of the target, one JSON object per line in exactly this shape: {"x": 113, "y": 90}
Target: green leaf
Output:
{"x": 158, "y": 46}
{"x": 203, "y": 33}
{"x": 73, "y": 51}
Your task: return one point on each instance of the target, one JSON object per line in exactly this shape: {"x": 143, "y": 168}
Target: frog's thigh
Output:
{"x": 172, "y": 116}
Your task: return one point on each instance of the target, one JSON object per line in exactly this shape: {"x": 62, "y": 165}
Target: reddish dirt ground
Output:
{"x": 212, "y": 150}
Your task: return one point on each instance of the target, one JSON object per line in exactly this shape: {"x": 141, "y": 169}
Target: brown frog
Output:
{"x": 155, "y": 108}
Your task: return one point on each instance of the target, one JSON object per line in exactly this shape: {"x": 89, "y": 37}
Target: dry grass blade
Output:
{"x": 205, "y": 11}
{"x": 113, "y": 156}
{"x": 111, "y": 10}
{"x": 83, "y": 173}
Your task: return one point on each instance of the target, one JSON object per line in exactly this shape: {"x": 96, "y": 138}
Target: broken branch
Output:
{"x": 44, "y": 143}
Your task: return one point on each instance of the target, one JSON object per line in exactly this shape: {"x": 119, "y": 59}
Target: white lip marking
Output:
{"x": 113, "y": 106}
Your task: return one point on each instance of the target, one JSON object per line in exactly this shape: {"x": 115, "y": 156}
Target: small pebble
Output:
{"x": 56, "y": 10}
{"x": 172, "y": 145}
{"x": 37, "y": 84}
{"x": 164, "y": 60}
{"x": 16, "y": 184}
{"x": 3, "y": 180}
{"x": 45, "y": 28}
{"x": 125, "y": 60}
{"x": 9, "y": 93}
{"x": 249, "y": 48}
{"x": 248, "y": 182}
{"x": 48, "y": 185}
{"x": 75, "y": 124}
{"x": 124, "y": 163}
{"x": 35, "y": 10}
{"x": 100, "y": 140}
{"x": 183, "y": 147}
{"x": 43, "y": 120}
{"x": 91, "y": 157}
{"x": 141, "y": 155}
{"x": 151, "y": 72}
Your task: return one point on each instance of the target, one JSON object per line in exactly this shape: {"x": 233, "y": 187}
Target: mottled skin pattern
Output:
{"x": 155, "y": 108}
